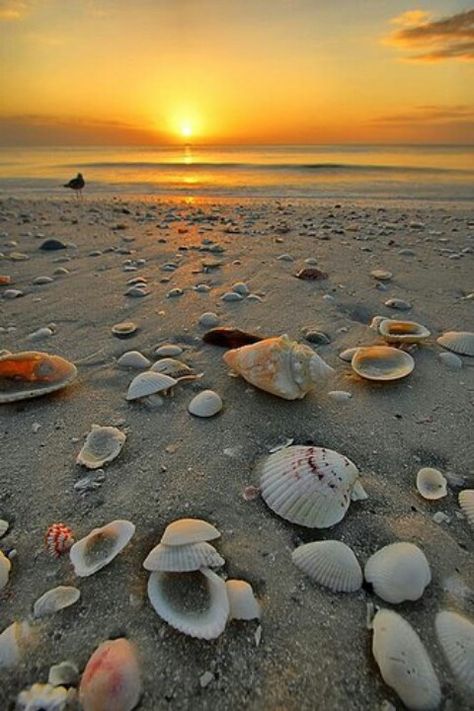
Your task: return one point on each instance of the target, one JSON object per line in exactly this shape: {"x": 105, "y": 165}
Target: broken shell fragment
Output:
{"x": 5, "y": 567}
{"x": 65, "y": 673}
{"x": 42, "y": 697}
{"x": 466, "y": 502}
{"x": 311, "y": 274}
{"x": 207, "y": 403}
{"x": 111, "y": 680}
{"x": 189, "y": 530}
{"x": 149, "y": 383}
{"x": 456, "y": 637}
{"x": 348, "y": 354}
{"x": 332, "y": 564}
{"x": 431, "y": 484}
{"x": 103, "y": 444}
{"x": 382, "y": 363}
{"x": 230, "y": 337}
{"x": 403, "y": 331}
{"x": 100, "y": 547}
{"x": 14, "y": 641}
{"x": 461, "y": 342}
{"x": 398, "y": 572}
{"x": 29, "y": 374}
{"x": 174, "y": 368}
{"x": 55, "y": 599}
{"x": 243, "y": 604}
{"x": 180, "y": 559}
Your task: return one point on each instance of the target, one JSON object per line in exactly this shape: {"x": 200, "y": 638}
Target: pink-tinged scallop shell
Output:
{"x": 332, "y": 564}
{"x": 111, "y": 680}
{"x": 29, "y": 374}
{"x": 58, "y": 539}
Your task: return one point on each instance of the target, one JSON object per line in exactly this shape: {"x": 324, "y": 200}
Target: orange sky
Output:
{"x": 255, "y": 71}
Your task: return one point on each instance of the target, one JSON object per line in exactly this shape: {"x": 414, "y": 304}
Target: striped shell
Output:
{"x": 58, "y": 539}
{"x": 332, "y": 564}
{"x": 393, "y": 331}
{"x": 55, "y": 599}
{"x": 431, "y": 484}
{"x": 243, "y": 604}
{"x": 180, "y": 559}
{"x": 172, "y": 367}
{"x": 207, "y": 403}
{"x": 466, "y": 502}
{"x": 189, "y": 530}
{"x": 149, "y": 383}
{"x": 382, "y": 363}
{"x": 398, "y": 572}
{"x": 461, "y": 342}
{"x": 456, "y": 637}
{"x": 30, "y": 374}
{"x": 100, "y": 547}
{"x": 102, "y": 445}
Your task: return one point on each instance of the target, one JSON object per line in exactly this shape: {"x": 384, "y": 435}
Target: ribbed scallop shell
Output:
{"x": 329, "y": 563}
{"x": 111, "y": 680}
{"x": 404, "y": 662}
{"x": 466, "y": 502}
{"x": 103, "y": 444}
{"x": 42, "y": 697}
{"x": 398, "y": 572}
{"x": 5, "y": 567}
{"x": 188, "y": 530}
{"x": 431, "y": 484}
{"x": 100, "y": 547}
{"x": 393, "y": 331}
{"x": 193, "y": 603}
{"x": 207, "y": 403}
{"x": 461, "y": 342}
{"x": 456, "y": 637}
{"x": 243, "y": 604}
{"x": 30, "y": 374}
{"x": 382, "y": 363}
{"x": 149, "y": 383}
{"x": 180, "y": 559}
{"x": 172, "y": 367}
{"x": 309, "y": 486}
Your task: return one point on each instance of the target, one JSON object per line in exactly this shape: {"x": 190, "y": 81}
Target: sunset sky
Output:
{"x": 252, "y": 71}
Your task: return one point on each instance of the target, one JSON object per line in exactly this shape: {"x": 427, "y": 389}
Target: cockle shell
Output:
{"x": 331, "y": 564}
{"x": 456, "y": 637}
{"x": 133, "y": 359}
{"x": 111, "y": 680}
{"x": 149, "y": 383}
{"x": 103, "y": 444}
{"x": 461, "y": 342}
{"x": 466, "y": 502}
{"x": 55, "y": 599}
{"x": 14, "y": 641}
{"x": 172, "y": 367}
{"x": 194, "y": 603}
{"x": 431, "y": 484}
{"x": 404, "y": 662}
{"x": 207, "y": 403}
{"x": 42, "y": 697}
{"x": 29, "y": 374}
{"x": 309, "y": 486}
{"x": 243, "y": 604}
{"x": 393, "y": 331}
{"x": 58, "y": 539}
{"x": 100, "y": 546}
{"x": 279, "y": 366}
{"x": 5, "y": 567}
{"x": 382, "y": 363}
{"x": 189, "y": 530}
{"x": 398, "y": 572}
{"x": 179, "y": 559}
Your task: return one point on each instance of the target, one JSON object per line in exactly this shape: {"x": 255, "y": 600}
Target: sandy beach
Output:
{"x": 313, "y": 650}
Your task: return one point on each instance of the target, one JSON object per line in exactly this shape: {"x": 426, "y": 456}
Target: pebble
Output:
{"x": 451, "y": 361}
{"x": 63, "y": 673}
{"x": 339, "y": 395}
{"x": 42, "y": 280}
{"x": 231, "y": 296}
{"x": 202, "y": 288}
{"x": 168, "y": 350}
{"x": 174, "y": 292}
{"x": 52, "y": 244}
{"x": 137, "y": 291}
{"x": 440, "y": 517}
{"x": 40, "y": 334}
{"x": 398, "y": 304}
{"x": 205, "y": 679}
{"x": 209, "y": 319}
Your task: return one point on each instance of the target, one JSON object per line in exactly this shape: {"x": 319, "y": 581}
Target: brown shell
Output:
{"x": 230, "y": 337}
{"x": 30, "y": 374}
{"x": 382, "y": 363}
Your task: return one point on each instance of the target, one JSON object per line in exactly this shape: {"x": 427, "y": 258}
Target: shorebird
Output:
{"x": 76, "y": 184}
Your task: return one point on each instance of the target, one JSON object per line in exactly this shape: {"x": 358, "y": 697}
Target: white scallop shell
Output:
{"x": 431, "y": 484}
{"x": 331, "y": 564}
{"x": 14, "y": 641}
{"x": 398, "y": 572}
{"x": 243, "y": 604}
{"x": 103, "y": 444}
{"x": 404, "y": 662}
{"x": 310, "y": 486}
{"x": 458, "y": 341}
{"x": 393, "y": 331}
{"x": 188, "y": 530}
{"x": 207, "y": 403}
{"x": 55, "y": 599}
{"x": 193, "y": 603}
{"x": 456, "y": 637}
{"x": 149, "y": 383}
{"x": 466, "y": 502}
{"x": 172, "y": 367}
{"x": 43, "y": 697}
{"x": 133, "y": 359}
{"x": 100, "y": 546}
{"x": 180, "y": 559}
{"x": 5, "y": 567}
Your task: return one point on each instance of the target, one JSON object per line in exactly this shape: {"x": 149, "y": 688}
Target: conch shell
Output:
{"x": 279, "y": 366}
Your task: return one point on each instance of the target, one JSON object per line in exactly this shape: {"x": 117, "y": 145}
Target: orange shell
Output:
{"x": 30, "y": 374}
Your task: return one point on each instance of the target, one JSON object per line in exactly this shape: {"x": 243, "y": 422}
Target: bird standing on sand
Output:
{"x": 76, "y": 184}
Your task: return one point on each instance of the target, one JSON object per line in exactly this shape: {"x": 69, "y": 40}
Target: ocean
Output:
{"x": 316, "y": 171}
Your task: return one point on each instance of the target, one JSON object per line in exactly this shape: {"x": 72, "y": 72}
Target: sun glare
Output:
{"x": 186, "y": 130}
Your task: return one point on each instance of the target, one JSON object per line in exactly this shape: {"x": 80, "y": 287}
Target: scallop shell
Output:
{"x": 43, "y": 697}
{"x": 461, "y": 342}
{"x": 456, "y": 637}
{"x": 5, "y": 567}
{"x": 172, "y": 367}
{"x": 180, "y": 559}
{"x": 431, "y": 484}
{"x": 103, "y": 444}
{"x": 382, "y": 363}
{"x": 100, "y": 546}
{"x": 243, "y": 604}
{"x": 30, "y": 374}
{"x": 404, "y": 662}
{"x": 279, "y": 366}
{"x": 398, "y": 572}
{"x": 207, "y": 403}
{"x": 188, "y": 530}
{"x": 466, "y": 502}
{"x": 193, "y": 603}
{"x": 111, "y": 680}
{"x": 393, "y": 331}
{"x": 133, "y": 359}
{"x": 149, "y": 383}
{"x": 310, "y": 486}
{"x": 55, "y": 599}
{"x": 331, "y": 564}
{"x": 14, "y": 641}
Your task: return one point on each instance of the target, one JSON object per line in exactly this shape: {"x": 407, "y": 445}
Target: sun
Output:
{"x": 186, "y": 130}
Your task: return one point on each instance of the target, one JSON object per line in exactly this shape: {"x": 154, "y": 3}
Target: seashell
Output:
{"x": 100, "y": 547}
{"x": 466, "y": 502}
{"x": 348, "y": 354}
{"x": 174, "y": 368}
{"x": 311, "y": 273}
{"x": 403, "y": 331}
{"x": 29, "y": 374}
{"x": 398, "y": 572}
{"x": 309, "y": 486}
{"x": 450, "y": 361}
{"x": 14, "y": 641}
{"x": 207, "y": 403}
{"x": 102, "y": 445}
{"x": 279, "y": 366}
{"x": 124, "y": 329}
{"x": 461, "y": 342}
{"x": 4, "y": 526}
{"x": 43, "y": 697}
{"x": 133, "y": 359}
{"x": 149, "y": 383}
{"x": 243, "y": 604}
{"x": 111, "y": 680}
{"x": 180, "y": 559}
{"x": 58, "y": 539}
{"x": 382, "y": 363}
{"x": 230, "y": 337}
{"x": 381, "y": 274}
{"x": 431, "y": 484}
{"x": 231, "y": 296}
{"x": 404, "y": 662}
{"x": 456, "y": 637}
{"x": 331, "y": 564}
{"x": 55, "y": 599}
{"x": 376, "y": 321}
{"x": 5, "y": 567}
{"x": 5, "y": 279}
{"x": 194, "y": 603}
{"x": 209, "y": 319}
{"x": 64, "y": 673}
{"x": 188, "y": 530}
{"x": 399, "y": 304}
{"x": 168, "y": 350}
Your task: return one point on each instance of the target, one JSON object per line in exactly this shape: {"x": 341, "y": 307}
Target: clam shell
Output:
{"x": 456, "y": 637}
{"x": 55, "y": 599}
{"x": 348, "y": 354}
{"x": 398, "y": 572}
{"x": 207, "y": 403}
{"x": 14, "y": 641}
{"x": 100, "y": 547}
{"x": 393, "y": 331}
{"x": 43, "y": 697}
{"x": 133, "y": 359}
{"x": 382, "y": 363}
{"x": 149, "y": 383}
{"x": 5, "y": 567}
{"x": 309, "y": 486}
{"x": 103, "y": 444}
{"x": 431, "y": 484}
{"x": 189, "y": 530}
{"x": 466, "y": 502}
{"x": 461, "y": 342}
{"x": 111, "y": 680}
{"x": 194, "y": 603}
{"x": 63, "y": 673}
{"x": 172, "y": 367}
{"x": 329, "y": 563}
{"x": 404, "y": 662}
{"x": 124, "y": 329}
{"x": 180, "y": 559}
{"x": 243, "y": 604}
{"x": 30, "y": 374}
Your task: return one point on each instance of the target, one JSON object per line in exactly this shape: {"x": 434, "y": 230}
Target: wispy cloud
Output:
{"x": 430, "y": 40}
{"x": 433, "y": 114}
{"x": 11, "y": 10}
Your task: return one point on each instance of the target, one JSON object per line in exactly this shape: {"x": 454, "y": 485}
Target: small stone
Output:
{"x": 12, "y": 293}
{"x": 40, "y": 280}
{"x": 205, "y": 679}
{"x": 398, "y": 304}
{"x": 339, "y": 395}
{"x": 40, "y": 334}
{"x": 209, "y": 320}
{"x": 451, "y": 361}
{"x": 4, "y": 526}
{"x": 63, "y": 674}
{"x": 231, "y": 296}
{"x": 52, "y": 244}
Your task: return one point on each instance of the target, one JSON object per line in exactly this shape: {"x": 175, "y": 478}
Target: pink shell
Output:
{"x": 111, "y": 679}
{"x": 58, "y": 539}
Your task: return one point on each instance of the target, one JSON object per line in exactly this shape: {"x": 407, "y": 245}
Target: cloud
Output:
{"x": 430, "y": 40}
{"x": 14, "y": 9}
{"x": 430, "y": 114}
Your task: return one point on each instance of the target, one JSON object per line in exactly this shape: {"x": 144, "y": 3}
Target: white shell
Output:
{"x": 103, "y": 444}
{"x": 13, "y": 642}
{"x": 310, "y": 486}
{"x": 43, "y": 697}
{"x": 180, "y": 559}
{"x": 63, "y": 673}
{"x": 243, "y": 604}
{"x": 393, "y": 331}
{"x": 466, "y": 502}
{"x": 149, "y": 383}
{"x": 55, "y": 599}
{"x": 133, "y": 359}
{"x": 100, "y": 546}
{"x": 172, "y": 367}
{"x": 461, "y": 342}
{"x": 5, "y": 567}
{"x": 456, "y": 637}
{"x": 188, "y": 530}
{"x": 431, "y": 484}
{"x": 398, "y": 572}
{"x": 348, "y": 354}
{"x": 331, "y": 564}
{"x": 4, "y": 526}
{"x": 404, "y": 662}
{"x": 193, "y": 603}
{"x": 207, "y": 403}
